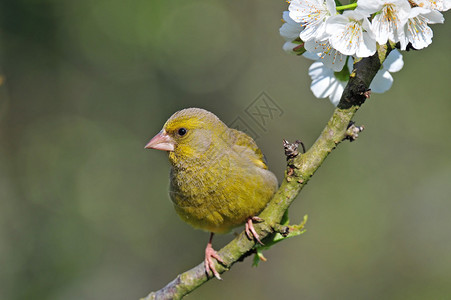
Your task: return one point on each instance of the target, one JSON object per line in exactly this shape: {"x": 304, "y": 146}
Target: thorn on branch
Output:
{"x": 353, "y": 131}
{"x": 366, "y": 93}
{"x": 283, "y": 230}
{"x": 291, "y": 149}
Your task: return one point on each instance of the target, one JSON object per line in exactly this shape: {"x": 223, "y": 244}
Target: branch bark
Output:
{"x": 299, "y": 171}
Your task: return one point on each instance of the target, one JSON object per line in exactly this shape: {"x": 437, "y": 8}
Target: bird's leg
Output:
{"x": 250, "y": 230}
{"x": 210, "y": 253}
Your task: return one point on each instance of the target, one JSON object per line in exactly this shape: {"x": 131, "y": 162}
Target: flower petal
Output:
{"x": 321, "y": 79}
{"x": 382, "y": 82}
{"x": 337, "y": 92}
{"x": 330, "y": 57}
{"x": 312, "y": 14}
{"x": 290, "y": 30}
{"x": 348, "y": 35}
{"x": 394, "y": 61}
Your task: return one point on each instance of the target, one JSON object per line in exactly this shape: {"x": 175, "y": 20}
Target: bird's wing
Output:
{"x": 246, "y": 147}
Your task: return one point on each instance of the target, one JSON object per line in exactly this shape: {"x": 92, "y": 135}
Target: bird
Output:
{"x": 219, "y": 178}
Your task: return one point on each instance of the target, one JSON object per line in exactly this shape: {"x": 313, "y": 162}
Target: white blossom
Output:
{"x": 334, "y": 40}
{"x": 327, "y": 83}
{"x": 324, "y": 83}
{"x": 440, "y": 5}
{"x": 350, "y": 33}
{"x": 383, "y": 80}
{"x": 390, "y": 19}
{"x": 290, "y": 31}
{"x": 330, "y": 57}
{"x": 416, "y": 30}
{"x": 312, "y": 14}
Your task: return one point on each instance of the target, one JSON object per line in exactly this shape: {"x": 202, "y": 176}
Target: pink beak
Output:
{"x": 162, "y": 141}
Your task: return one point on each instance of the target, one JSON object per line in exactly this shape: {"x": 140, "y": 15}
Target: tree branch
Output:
{"x": 300, "y": 169}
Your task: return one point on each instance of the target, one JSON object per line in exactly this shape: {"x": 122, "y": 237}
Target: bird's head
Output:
{"x": 188, "y": 133}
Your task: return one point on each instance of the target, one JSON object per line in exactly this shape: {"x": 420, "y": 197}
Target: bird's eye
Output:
{"x": 182, "y": 131}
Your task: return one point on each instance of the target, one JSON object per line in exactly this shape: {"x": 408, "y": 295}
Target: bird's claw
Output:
{"x": 250, "y": 230}
{"x": 210, "y": 253}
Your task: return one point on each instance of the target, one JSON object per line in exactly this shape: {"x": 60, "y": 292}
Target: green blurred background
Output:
{"x": 84, "y": 211}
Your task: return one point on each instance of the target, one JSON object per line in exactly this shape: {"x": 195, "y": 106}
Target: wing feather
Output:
{"x": 246, "y": 146}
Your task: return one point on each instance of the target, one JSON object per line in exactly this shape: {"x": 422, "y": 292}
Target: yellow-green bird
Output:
{"x": 218, "y": 179}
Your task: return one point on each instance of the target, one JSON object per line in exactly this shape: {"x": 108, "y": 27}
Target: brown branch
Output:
{"x": 300, "y": 169}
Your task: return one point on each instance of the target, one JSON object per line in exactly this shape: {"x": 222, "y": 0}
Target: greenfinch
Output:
{"x": 219, "y": 178}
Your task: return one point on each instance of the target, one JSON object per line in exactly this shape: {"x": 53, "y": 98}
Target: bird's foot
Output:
{"x": 250, "y": 230}
{"x": 210, "y": 253}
